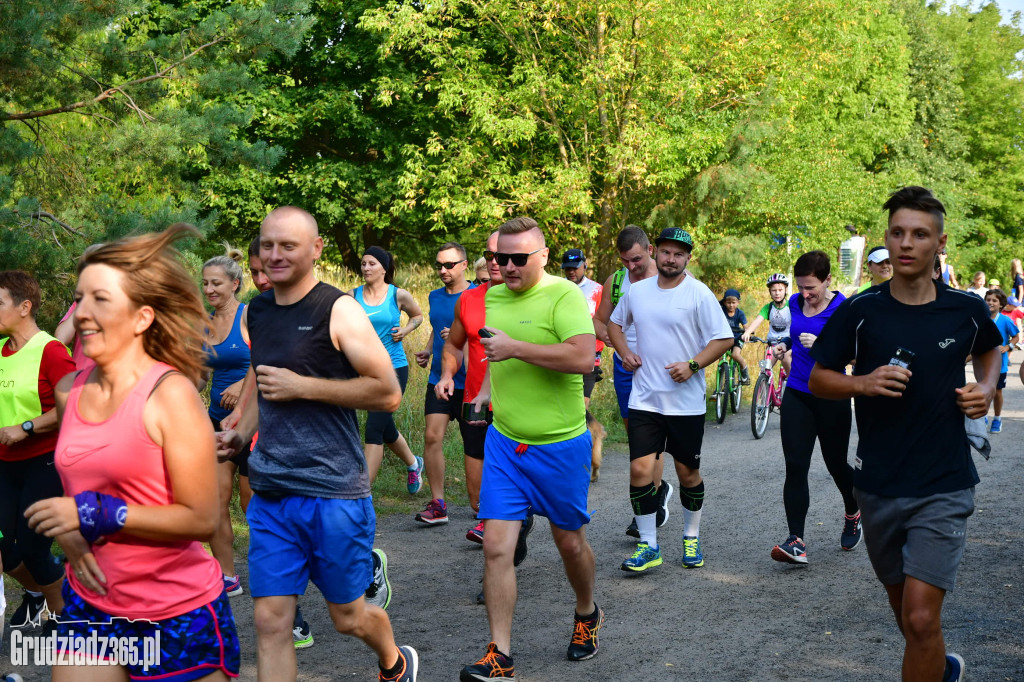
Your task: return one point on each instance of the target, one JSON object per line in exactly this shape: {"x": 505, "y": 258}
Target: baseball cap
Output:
{"x": 573, "y": 258}
{"x": 878, "y": 254}
{"x": 1012, "y": 300}
{"x": 675, "y": 234}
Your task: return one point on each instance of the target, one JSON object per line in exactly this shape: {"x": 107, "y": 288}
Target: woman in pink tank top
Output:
{"x": 136, "y": 456}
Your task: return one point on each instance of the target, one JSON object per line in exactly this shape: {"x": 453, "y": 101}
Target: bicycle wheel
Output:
{"x": 759, "y": 409}
{"x": 721, "y": 391}
{"x": 737, "y": 388}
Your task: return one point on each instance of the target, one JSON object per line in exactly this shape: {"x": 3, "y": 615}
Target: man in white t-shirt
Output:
{"x": 680, "y": 329}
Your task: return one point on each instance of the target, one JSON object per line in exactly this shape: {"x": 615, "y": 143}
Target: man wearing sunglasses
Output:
{"x": 542, "y": 342}
{"x": 451, "y": 266}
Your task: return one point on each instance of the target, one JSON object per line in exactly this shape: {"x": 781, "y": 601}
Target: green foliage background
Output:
{"x": 762, "y": 126}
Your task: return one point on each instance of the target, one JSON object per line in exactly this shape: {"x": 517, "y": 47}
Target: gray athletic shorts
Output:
{"x": 923, "y": 537}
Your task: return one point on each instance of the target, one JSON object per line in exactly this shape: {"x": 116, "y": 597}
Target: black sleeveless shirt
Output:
{"x": 305, "y": 447}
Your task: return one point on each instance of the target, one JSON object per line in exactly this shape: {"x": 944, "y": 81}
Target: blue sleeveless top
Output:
{"x": 229, "y": 361}
{"x": 384, "y": 318}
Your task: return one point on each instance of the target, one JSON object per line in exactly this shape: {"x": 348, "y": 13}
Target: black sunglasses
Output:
{"x": 488, "y": 256}
{"x": 518, "y": 259}
{"x": 449, "y": 265}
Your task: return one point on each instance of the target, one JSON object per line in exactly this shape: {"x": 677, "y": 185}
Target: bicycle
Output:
{"x": 728, "y": 386}
{"x": 767, "y": 393}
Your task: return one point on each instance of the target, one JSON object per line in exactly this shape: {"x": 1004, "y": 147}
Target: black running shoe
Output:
{"x": 29, "y": 613}
{"x": 494, "y": 665}
{"x": 584, "y": 637}
{"x": 410, "y": 666}
{"x": 664, "y": 495}
{"x": 852, "y": 532}
{"x": 524, "y": 531}
{"x": 632, "y": 531}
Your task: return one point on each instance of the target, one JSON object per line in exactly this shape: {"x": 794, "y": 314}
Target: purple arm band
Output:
{"x": 99, "y": 515}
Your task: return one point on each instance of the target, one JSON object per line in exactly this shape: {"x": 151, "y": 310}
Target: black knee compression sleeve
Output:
{"x": 692, "y": 498}
{"x": 644, "y": 499}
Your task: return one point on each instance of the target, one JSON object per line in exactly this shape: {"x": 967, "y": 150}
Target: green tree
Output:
{"x": 349, "y": 122}
{"x": 106, "y": 117}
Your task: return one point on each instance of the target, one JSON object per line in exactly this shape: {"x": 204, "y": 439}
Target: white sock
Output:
{"x": 648, "y": 527}
{"x": 691, "y": 523}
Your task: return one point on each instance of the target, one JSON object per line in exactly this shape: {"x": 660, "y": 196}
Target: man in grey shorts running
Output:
{"x": 913, "y": 475}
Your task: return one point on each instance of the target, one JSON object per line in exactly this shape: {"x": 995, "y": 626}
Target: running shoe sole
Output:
{"x": 300, "y": 641}
{"x": 640, "y": 569}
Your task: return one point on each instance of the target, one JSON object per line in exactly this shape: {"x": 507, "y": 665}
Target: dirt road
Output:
{"x": 740, "y": 617}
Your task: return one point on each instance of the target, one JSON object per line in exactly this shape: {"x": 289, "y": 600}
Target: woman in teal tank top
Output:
{"x": 384, "y": 304}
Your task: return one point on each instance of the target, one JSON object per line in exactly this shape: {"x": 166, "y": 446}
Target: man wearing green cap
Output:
{"x": 680, "y": 330}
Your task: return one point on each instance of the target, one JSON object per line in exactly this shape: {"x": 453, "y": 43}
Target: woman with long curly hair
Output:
{"x": 136, "y": 456}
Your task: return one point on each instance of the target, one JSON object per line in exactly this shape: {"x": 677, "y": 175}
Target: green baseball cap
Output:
{"x": 676, "y": 234}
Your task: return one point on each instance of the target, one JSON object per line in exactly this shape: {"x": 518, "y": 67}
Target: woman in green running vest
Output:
{"x": 31, "y": 364}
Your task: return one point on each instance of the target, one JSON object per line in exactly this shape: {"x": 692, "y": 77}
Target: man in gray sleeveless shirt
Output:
{"x": 317, "y": 360}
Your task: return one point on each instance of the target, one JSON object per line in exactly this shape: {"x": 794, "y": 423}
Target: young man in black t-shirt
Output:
{"x": 913, "y": 475}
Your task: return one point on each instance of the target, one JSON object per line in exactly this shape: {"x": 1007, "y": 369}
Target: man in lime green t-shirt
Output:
{"x": 537, "y": 452}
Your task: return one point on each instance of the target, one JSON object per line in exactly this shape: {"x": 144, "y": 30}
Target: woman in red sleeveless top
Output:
{"x": 136, "y": 456}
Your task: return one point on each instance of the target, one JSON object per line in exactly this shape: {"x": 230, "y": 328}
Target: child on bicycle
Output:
{"x": 777, "y": 313}
{"x": 737, "y": 320}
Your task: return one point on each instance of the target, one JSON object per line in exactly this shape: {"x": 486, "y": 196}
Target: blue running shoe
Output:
{"x": 997, "y": 425}
{"x": 792, "y": 551}
{"x": 643, "y": 558}
{"x": 693, "y": 557}
{"x": 954, "y": 668}
{"x": 233, "y": 586}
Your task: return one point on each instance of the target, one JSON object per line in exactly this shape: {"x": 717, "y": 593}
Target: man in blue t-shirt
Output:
{"x": 913, "y": 474}
{"x": 451, "y": 264}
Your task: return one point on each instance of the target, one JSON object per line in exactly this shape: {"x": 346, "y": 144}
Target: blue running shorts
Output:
{"x": 623, "y": 386}
{"x": 295, "y": 539}
{"x": 552, "y": 479}
{"x": 192, "y": 645}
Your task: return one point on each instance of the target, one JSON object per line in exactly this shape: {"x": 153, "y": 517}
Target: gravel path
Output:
{"x": 740, "y": 617}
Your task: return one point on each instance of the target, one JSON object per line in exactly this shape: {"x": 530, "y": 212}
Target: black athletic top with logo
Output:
{"x": 914, "y": 445}
{"x": 305, "y": 447}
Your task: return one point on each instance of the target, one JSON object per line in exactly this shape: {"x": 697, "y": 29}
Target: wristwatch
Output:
{"x": 694, "y": 366}
{"x": 28, "y": 427}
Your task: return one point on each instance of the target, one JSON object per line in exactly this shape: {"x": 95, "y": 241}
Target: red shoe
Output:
{"x": 476, "y": 533}
{"x": 435, "y": 513}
